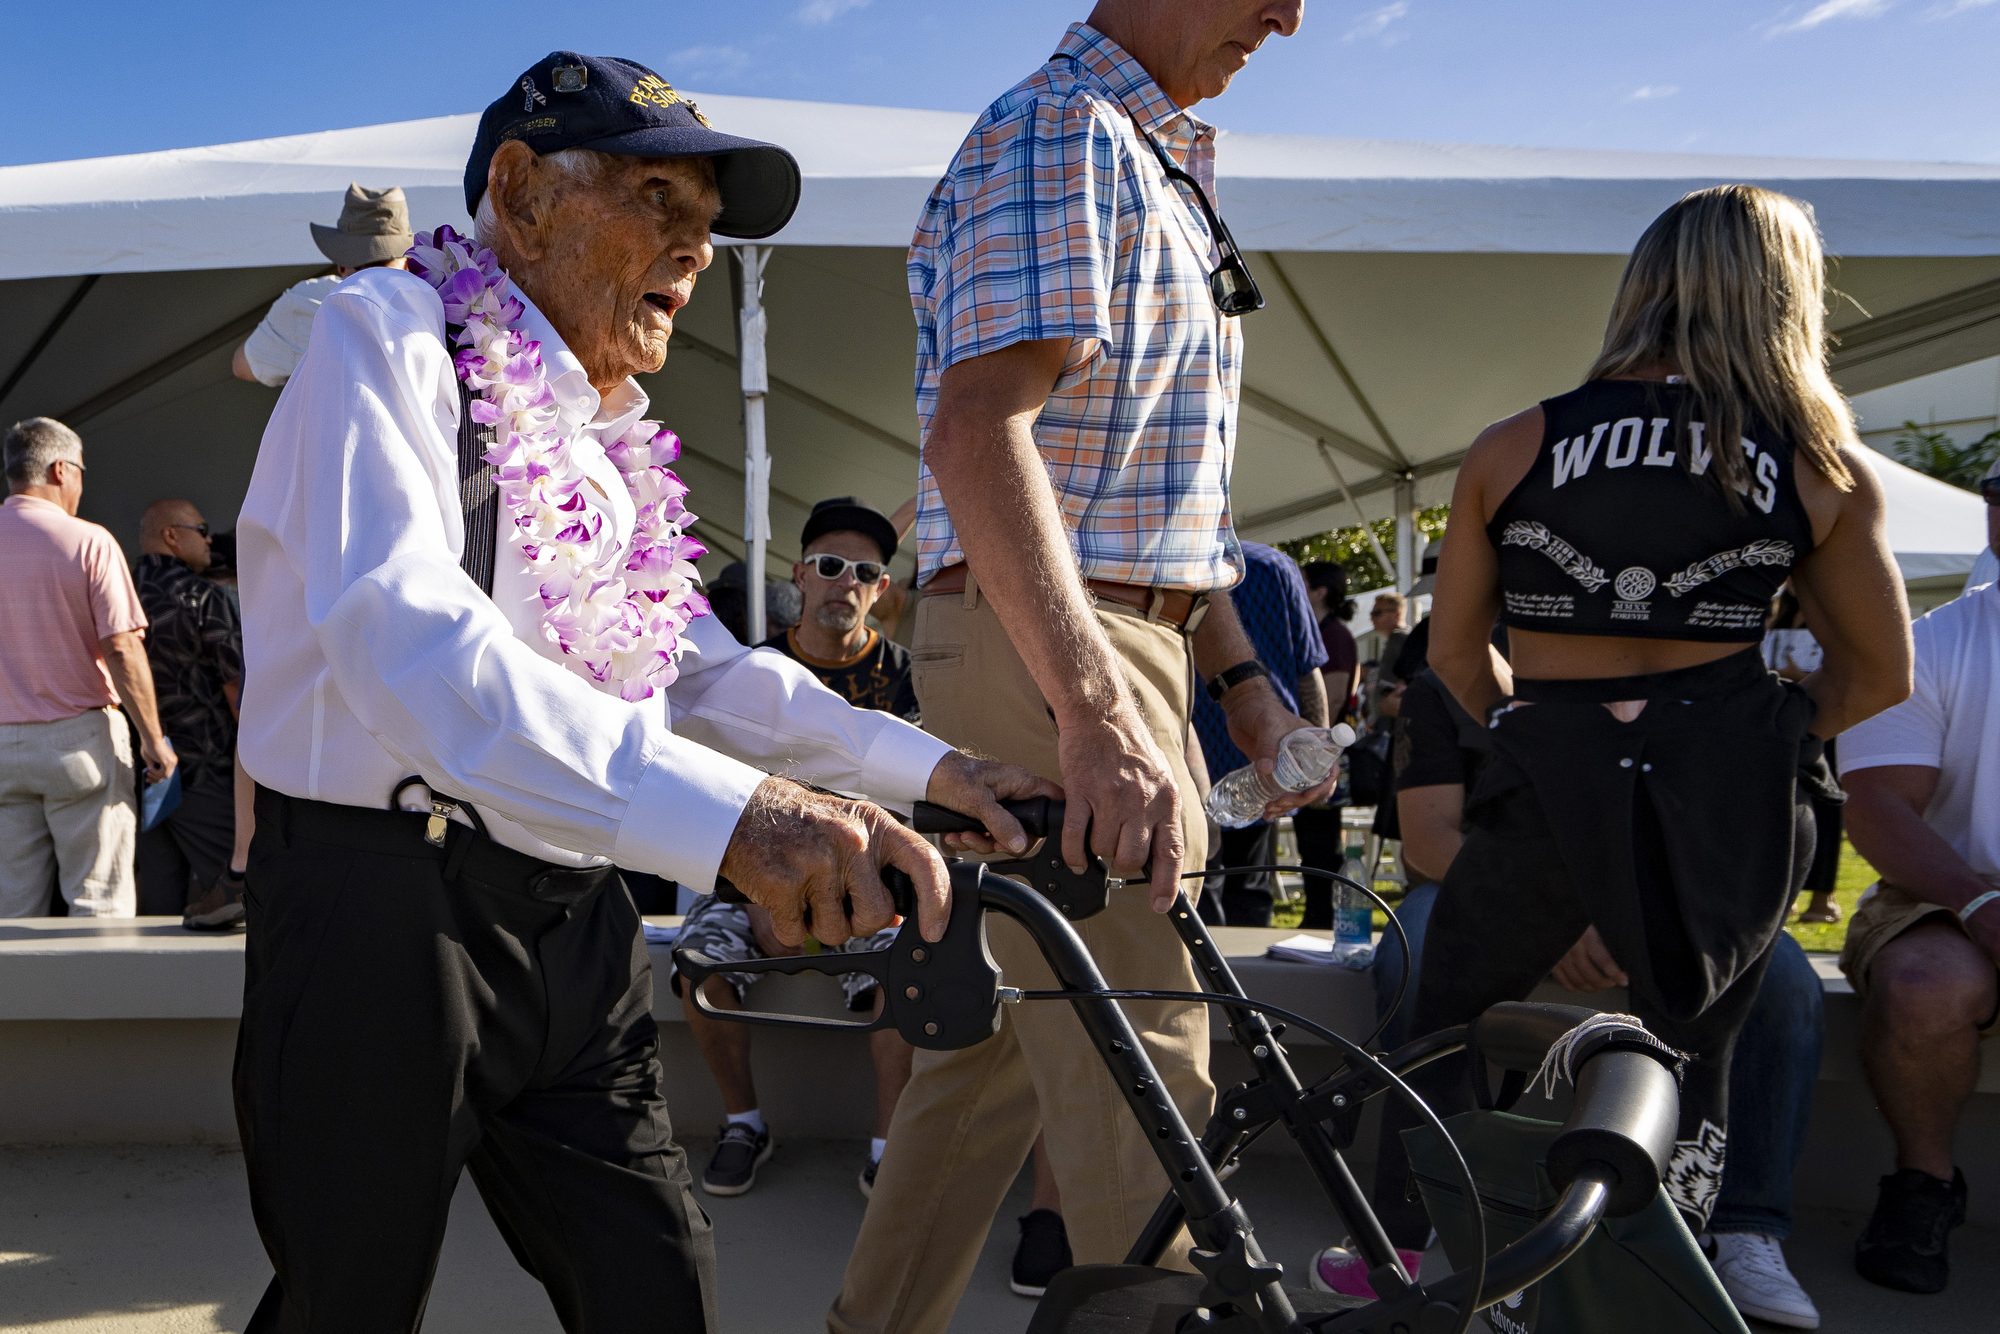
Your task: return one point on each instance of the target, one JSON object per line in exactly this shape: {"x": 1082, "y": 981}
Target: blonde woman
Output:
{"x": 1651, "y": 807}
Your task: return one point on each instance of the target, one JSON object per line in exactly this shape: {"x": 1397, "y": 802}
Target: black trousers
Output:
{"x": 1322, "y": 843}
{"x": 410, "y": 1011}
{"x": 190, "y": 847}
{"x": 1240, "y": 900}
{"x": 1682, "y": 836}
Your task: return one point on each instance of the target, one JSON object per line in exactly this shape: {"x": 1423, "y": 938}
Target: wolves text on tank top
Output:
{"x": 1621, "y": 526}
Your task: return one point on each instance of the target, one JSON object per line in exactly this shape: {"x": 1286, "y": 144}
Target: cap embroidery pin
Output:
{"x": 570, "y": 78}
{"x": 533, "y": 94}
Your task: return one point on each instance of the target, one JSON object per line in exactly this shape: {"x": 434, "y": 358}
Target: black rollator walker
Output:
{"x": 1607, "y": 1163}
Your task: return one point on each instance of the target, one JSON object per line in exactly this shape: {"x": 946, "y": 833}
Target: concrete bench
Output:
{"x": 123, "y": 1031}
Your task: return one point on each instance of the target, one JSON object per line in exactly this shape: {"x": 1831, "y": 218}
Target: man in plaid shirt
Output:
{"x": 1078, "y": 366}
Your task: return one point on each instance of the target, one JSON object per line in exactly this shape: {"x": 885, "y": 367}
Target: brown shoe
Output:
{"x": 220, "y": 909}
{"x": 1821, "y": 913}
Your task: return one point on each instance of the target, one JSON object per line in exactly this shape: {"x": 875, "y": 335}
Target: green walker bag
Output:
{"x": 1638, "y": 1275}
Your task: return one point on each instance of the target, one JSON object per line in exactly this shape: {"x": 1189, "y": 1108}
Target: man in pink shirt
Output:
{"x": 72, "y": 650}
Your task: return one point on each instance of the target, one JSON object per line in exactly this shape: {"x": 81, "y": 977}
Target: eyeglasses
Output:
{"x": 1234, "y": 290}
{"x": 201, "y": 528}
{"x": 831, "y": 568}
{"x": 1990, "y": 488}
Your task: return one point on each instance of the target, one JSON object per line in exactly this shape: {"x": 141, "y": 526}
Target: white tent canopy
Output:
{"x": 1416, "y": 292}
{"x": 1936, "y": 530}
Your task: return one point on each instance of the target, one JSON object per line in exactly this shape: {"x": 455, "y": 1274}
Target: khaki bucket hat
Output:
{"x": 374, "y": 225}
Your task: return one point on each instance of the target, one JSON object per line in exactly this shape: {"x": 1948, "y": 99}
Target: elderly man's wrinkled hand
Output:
{"x": 813, "y": 861}
{"x": 972, "y": 786}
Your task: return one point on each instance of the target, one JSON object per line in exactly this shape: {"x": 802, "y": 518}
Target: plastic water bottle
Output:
{"x": 1353, "y": 916}
{"x": 1305, "y": 759}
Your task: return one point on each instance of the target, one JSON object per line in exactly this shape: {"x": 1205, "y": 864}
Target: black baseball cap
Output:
{"x": 566, "y": 100}
{"x": 845, "y": 514}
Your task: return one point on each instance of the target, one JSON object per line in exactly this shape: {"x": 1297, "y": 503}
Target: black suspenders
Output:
{"x": 478, "y": 499}
{"x": 479, "y": 507}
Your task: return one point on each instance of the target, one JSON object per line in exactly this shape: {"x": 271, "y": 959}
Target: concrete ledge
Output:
{"x": 124, "y": 1032}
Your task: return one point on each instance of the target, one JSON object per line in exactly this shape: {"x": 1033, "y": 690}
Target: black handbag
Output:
{"x": 1638, "y": 1275}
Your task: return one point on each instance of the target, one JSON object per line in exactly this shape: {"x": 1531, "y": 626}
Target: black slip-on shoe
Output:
{"x": 739, "y": 1152}
{"x": 1903, "y": 1246}
{"x": 1042, "y": 1254}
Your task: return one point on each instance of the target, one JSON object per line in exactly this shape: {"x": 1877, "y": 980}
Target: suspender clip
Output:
{"x": 441, "y": 813}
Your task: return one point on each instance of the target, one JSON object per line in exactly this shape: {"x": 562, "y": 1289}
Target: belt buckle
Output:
{"x": 441, "y": 813}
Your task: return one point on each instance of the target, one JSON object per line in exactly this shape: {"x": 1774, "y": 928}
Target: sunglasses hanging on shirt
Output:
{"x": 1234, "y": 290}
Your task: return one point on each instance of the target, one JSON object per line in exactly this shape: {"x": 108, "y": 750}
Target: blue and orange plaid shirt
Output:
{"x": 1056, "y": 220}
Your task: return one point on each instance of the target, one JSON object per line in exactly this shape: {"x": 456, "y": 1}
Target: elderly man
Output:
{"x": 1078, "y": 365}
{"x": 477, "y": 677}
{"x": 842, "y": 569}
{"x": 1923, "y": 806}
{"x": 71, "y": 655}
{"x": 195, "y": 649}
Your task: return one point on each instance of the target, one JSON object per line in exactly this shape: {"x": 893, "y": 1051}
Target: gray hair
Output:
{"x": 34, "y": 444}
{"x": 583, "y": 166}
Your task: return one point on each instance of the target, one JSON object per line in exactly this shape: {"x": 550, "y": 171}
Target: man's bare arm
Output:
{"x": 1258, "y": 719}
{"x": 980, "y": 449}
{"x": 1885, "y": 818}
{"x": 239, "y": 364}
{"x": 132, "y": 676}
{"x": 1431, "y": 819}
{"x": 1312, "y": 699}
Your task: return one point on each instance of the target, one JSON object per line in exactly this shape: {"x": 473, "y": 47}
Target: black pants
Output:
{"x": 1682, "y": 836}
{"x": 1322, "y": 843}
{"x": 191, "y": 846}
{"x": 410, "y": 1011}
{"x": 1240, "y": 900}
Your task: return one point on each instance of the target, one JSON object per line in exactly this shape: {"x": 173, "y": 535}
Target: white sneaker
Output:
{"x": 1754, "y": 1274}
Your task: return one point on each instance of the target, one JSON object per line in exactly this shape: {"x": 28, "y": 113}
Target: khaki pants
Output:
{"x": 968, "y": 1118}
{"x": 68, "y": 818}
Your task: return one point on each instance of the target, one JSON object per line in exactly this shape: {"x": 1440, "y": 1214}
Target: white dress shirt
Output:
{"x": 274, "y": 347}
{"x": 369, "y": 655}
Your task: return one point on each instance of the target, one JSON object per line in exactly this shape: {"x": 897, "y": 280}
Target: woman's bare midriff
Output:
{"x": 1545, "y": 657}
{"x": 1539, "y": 656}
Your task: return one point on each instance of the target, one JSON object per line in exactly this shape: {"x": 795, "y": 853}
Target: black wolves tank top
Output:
{"x": 1620, "y": 528}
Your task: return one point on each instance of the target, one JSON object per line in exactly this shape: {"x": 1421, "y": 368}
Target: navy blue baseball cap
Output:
{"x": 619, "y": 106}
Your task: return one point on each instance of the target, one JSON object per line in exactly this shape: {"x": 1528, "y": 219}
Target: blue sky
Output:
{"x": 1916, "y": 79}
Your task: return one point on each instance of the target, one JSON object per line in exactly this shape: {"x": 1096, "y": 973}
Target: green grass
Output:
{"x": 1855, "y": 875}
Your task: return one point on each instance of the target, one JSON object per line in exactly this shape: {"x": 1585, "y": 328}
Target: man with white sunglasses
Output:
{"x": 843, "y": 568}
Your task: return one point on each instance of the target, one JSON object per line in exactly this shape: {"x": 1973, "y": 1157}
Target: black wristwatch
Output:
{"x": 1224, "y": 681}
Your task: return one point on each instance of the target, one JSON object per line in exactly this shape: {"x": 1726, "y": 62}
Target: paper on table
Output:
{"x": 1315, "y": 949}
{"x": 661, "y": 935}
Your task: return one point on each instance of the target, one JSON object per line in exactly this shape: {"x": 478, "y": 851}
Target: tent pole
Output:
{"x": 1406, "y": 535}
{"x": 750, "y": 325}
{"x": 22, "y": 367}
{"x": 1367, "y": 529}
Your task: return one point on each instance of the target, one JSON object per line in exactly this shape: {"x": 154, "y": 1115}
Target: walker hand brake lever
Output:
{"x": 1079, "y": 894}
{"x": 940, "y": 996}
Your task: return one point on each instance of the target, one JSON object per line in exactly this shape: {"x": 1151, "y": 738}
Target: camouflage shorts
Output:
{"x": 722, "y": 931}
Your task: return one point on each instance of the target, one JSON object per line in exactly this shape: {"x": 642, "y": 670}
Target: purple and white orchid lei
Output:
{"x": 616, "y": 609}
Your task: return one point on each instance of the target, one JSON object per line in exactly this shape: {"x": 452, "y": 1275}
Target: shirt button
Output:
{"x": 1645, "y": 768}
{"x": 1627, "y": 764}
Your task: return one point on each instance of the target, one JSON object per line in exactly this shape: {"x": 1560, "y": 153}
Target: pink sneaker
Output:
{"x": 1337, "y": 1269}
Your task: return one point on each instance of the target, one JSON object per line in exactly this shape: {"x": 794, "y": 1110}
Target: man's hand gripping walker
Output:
{"x": 1608, "y": 1161}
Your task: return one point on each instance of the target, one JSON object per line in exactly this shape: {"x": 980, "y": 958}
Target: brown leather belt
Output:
{"x": 1176, "y": 606}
